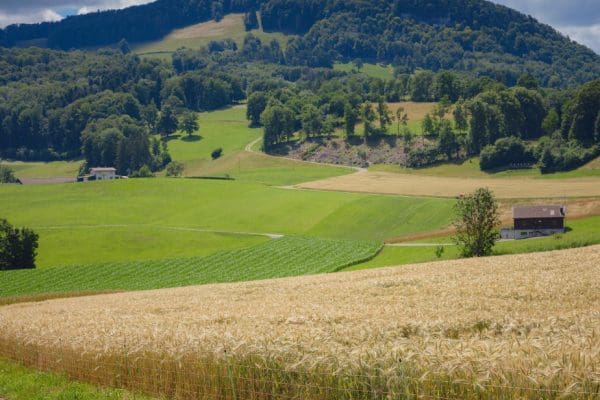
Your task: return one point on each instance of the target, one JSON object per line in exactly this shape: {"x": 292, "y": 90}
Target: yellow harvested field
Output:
{"x": 519, "y": 326}
{"x": 209, "y": 29}
{"x": 417, "y": 185}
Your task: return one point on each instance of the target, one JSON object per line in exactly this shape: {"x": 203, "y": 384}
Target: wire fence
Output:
{"x": 225, "y": 376}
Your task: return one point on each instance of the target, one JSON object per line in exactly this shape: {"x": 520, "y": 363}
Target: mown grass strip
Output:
{"x": 288, "y": 256}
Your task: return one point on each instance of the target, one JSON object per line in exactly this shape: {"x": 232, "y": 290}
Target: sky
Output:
{"x": 579, "y": 19}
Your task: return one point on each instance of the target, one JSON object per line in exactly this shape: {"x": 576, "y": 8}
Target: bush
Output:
{"x": 175, "y": 169}
{"x": 216, "y": 153}
{"x": 7, "y": 175}
{"x": 17, "y": 247}
{"x": 143, "y": 172}
{"x": 423, "y": 156}
{"x": 506, "y": 152}
{"x": 557, "y": 155}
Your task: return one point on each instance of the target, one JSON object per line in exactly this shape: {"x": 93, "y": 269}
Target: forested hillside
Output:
{"x": 468, "y": 35}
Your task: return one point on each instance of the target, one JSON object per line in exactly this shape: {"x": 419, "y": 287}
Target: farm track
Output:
{"x": 173, "y": 228}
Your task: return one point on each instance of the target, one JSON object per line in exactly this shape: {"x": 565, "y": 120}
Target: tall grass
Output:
{"x": 522, "y": 326}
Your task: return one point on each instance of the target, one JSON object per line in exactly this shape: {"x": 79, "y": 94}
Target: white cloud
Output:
{"x": 588, "y": 35}
{"x": 40, "y": 15}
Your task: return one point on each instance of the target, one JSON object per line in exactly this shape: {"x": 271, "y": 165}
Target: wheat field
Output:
{"x": 419, "y": 185}
{"x": 519, "y": 326}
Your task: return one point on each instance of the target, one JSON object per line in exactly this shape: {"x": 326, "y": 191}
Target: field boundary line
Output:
{"x": 173, "y": 228}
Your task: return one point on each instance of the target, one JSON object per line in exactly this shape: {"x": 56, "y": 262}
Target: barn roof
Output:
{"x": 543, "y": 211}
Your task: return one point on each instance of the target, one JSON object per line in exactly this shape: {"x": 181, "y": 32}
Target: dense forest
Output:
{"x": 513, "y": 107}
{"x": 464, "y": 35}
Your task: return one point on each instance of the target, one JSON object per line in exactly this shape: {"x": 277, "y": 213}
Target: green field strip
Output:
{"x": 288, "y": 256}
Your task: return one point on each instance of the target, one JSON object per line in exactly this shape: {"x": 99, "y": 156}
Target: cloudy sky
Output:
{"x": 579, "y": 19}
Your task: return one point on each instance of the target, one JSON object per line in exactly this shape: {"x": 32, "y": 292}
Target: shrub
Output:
{"x": 175, "y": 169}
{"x": 17, "y": 247}
{"x": 7, "y": 175}
{"x": 143, "y": 172}
{"x": 557, "y": 155}
{"x": 216, "y": 153}
{"x": 423, "y": 156}
{"x": 506, "y": 152}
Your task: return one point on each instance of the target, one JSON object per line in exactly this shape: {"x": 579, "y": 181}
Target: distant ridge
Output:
{"x": 469, "y": 35}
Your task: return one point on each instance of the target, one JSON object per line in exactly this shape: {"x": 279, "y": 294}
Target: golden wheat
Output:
{"x": 499, "y": 327}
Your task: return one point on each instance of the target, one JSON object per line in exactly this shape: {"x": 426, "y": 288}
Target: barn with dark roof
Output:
{"x": 534, "y": 221}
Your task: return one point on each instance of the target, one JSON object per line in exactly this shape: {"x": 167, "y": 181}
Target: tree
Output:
{"x": 167, "y": 122}
{"x": 367, "y": 115}
{"x": 448, "y": 142}
{"x": 528, "y": 81}
{"x": 477, "y": 223}
{"x": 189, "y": 123}
{"x": 278, "y": 123}
{"x": 384, "y": 114}
{"x": 358, "y": 64}
{"x": 257, "y": 102}
{"x": 311, "y": 119}
{"x": 17, "y": 247}
{"x": 175, "y": 169}
{"x": 401, "y": 118}
{"x": 7, "y": 175}
{"x": 460, "y": 117}
{"x": 427, "y": 126}
{"x": 350, "y": 119}
{"x": 250, "y": 20}
{"x": 551, "y": 122}
{"x": 123, "y": 46}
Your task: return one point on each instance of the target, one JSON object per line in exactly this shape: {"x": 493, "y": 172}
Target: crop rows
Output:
{"x": 289, "y": 256}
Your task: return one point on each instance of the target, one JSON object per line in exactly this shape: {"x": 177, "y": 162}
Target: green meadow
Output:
{"x": 102, "y": 221}
{"x": 580, "y": 232}
{"x": 372, "y": 70}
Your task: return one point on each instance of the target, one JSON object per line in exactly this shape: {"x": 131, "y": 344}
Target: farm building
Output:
{"x": 102, "y": 174}
{"x": 535, "y": 221}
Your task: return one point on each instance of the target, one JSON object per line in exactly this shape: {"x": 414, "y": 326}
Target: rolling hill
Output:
{"x": 470, "y": 35}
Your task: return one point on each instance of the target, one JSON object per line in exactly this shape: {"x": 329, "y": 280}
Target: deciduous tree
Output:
{"x": 477, "y": 223}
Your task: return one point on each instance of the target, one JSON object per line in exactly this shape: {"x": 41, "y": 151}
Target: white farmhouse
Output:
{"x": 103, "y": 174}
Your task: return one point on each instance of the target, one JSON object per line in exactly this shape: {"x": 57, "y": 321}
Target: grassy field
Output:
{"x": 103, "y": 243}
{"x": 438, "y": 186}
{"x": 199, "y": 35}
{"x": 226, "y": 128}
{"x": 372, "y": 70}
{"x": 20, "y": 383}
{"x": 63, "y": 169}
{"x": 289, "y": 256}
{"x": 582, "y": 232}
{"x": 264, "y": 169}
{"x": 229, "y": 130}
{"x": 90, "y": 209}
{"x": 470, "y": 169}
{"x": 520, "y": 326}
